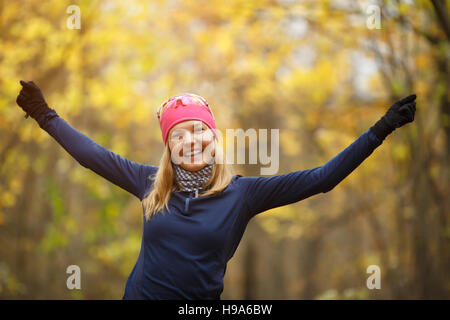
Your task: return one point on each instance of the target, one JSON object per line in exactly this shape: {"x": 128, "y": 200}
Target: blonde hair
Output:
{"x": 164, "y": 182}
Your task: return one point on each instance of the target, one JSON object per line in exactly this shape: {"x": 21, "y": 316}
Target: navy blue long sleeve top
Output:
{"x": 184, "y": 253}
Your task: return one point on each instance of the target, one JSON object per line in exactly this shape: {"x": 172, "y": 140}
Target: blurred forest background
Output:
{"x": 313, "y": 69}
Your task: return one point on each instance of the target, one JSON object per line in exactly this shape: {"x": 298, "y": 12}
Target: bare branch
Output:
{"x": 441, "y": 12}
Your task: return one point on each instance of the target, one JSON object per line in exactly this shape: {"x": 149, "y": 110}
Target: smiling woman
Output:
{"x": 192, "y": 145}
{"x": 187, "y": 126}
{"x": 195, "y": 212}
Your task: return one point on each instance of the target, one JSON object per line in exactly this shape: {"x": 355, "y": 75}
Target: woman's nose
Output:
{"x": 188, "y": 138}
{"x": 192, "y": 136}
{"x": 191, "y": 140}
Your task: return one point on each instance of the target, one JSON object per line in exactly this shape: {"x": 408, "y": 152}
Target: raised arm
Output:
{"x": 264, "y": 193}
{"x": 128, "y": 175}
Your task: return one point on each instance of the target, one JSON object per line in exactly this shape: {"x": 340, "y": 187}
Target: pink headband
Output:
{"x": 185, "y": 109}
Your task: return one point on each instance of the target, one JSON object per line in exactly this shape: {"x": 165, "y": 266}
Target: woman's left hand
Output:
{"x": 399, "y": 114}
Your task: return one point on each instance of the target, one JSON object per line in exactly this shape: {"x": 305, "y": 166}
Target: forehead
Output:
{"x": 188, "y": 124}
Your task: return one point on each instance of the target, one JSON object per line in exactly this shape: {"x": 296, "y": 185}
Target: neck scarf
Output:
{"x": 192, "y": 180}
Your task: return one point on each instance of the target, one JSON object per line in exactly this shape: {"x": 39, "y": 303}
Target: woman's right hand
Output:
{"x": 31, "y": 100}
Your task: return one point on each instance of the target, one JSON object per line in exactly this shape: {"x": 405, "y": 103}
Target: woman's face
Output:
{"x": 191, "y": 144}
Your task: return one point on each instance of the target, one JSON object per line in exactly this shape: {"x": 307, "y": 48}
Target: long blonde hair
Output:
{"x": 164, "y": 181}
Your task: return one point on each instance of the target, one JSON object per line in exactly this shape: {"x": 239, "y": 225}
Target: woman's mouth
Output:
{"x": 191, "y": 154}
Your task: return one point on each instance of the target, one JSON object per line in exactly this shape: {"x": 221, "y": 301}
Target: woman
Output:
{"x": 195, "y": 212}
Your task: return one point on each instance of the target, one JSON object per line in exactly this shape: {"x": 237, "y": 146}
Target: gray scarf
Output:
{"x": 192, "y": 180}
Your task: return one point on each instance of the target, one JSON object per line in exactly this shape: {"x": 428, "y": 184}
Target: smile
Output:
{"x": 193, "y": 153}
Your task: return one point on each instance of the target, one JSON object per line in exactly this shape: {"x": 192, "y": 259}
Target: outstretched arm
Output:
{"x": 128, "y": 175}
{"x": 264, "y": 193}
{"x": 124, "y": 173}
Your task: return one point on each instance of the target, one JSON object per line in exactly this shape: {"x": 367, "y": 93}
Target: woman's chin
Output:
{"x": 193, "y": 166}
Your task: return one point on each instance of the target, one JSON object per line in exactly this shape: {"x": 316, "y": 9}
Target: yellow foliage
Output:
{"x": 258, "y": 68}
{"x": 290, "y": 141}
{"x": 400, "y": 152}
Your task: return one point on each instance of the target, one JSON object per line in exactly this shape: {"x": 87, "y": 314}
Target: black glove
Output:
{"x": 31, "y": 100}
{"x": 399, "y": 114}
